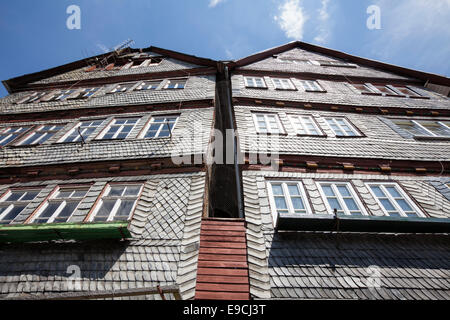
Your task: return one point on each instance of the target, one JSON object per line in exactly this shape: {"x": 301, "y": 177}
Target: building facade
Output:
{"x": 334, "y": 185}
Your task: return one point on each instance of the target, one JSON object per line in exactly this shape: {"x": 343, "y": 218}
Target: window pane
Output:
{"x": 65, "y": 214}
{"x": 293, "y": 190}
{"x": 124, "y": 210}
{"x": 15, "y": 195}
{"x": 116, "y": 191}
{"x": 378, "y": 192}
{"x": 404, "y": 205}
{"x": 334, "y": 204}
{"x": 12, "y": 214}
{"x": 328, "y": 191}
{"x": 387, "y": 204}
{"x": 280, "y": 203}
{"x": 351, "y": 204}
{"x": 297, "y": 203}
{"x": 393, "y": 191}
{"x": 132, "y": 190}
{"x": 105, "y": 210}
{"x": 47, "y": 213}
{"x": 344, "y": 191}
{"x": 277, "y": 189}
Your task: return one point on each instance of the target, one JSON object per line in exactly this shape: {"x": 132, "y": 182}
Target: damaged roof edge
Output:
{"x": 424, "y": 76}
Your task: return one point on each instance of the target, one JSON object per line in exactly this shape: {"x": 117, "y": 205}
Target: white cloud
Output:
{"x": 292, "y": 19}
{"x": 213, "y": 3}
{"x": 416, "y": 28}
{"x": 324, "y": 29}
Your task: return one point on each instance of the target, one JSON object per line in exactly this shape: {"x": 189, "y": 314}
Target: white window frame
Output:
{"x": 269, "y": 129}
{"x": 248, "y": 85}
{"x": 287, "y": 198}
{"x": 141, "y": 85}
{"x": 62, "y": 95}
{"x": 112, "y": 123}
{"x": 32, "y": 133}
{"x": 18, "y": 202}
{"x": 432, "y": 134}
{"x": 78, "y": 139}
{"x": 117, "y": 88}
{"x": 399, "y": 189}
{"x": 312, "y": 86}
{"x": 61, "y": 207}
{"x": 340, "y": 199}
{"x": 293, "y": 117}
{"x": 347, "y": 122}
{"x": 8, "y": 135}
{"x": 285, "y": 84}
{"x": 86, "y": 93}
{"x": 152, "y": 121}
{"x": 118, "y": 199}
{"x": 166, "y": 87}
{"x": 34, "y": 97}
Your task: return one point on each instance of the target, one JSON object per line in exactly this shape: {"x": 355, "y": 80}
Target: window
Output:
{"x": 122, "y": 87}
{"x": 62, "y": 95}
{"x": 283, "y": 84}
{"x": 288, "y": 198}
{"x": 255, "y": 82}
{"x": 341, "y": 196}
{"x": 14, "y": 202}
{"x": 299, "y": 61}
{"x": 86, "y": 93}
{"x": 305, "y": 125}
{"x": 82, "y": 131}
{"x": 41, "y": 134}
{"x": 393, "y": 200}
{"x": 119, "y": 129}
{"x": 426, "y": 128}
{"x": 160, "y": 127}
{"x": 337, "y": 64}
{"x": 267, "y": 123}
{"x": 176, "y": 84}
{"x": 342, "y": 127}
{"x": 61, "y": 205}
{"x": 33, "y": 97}
{"x": 149, "y": 85}
{"x": 117, "y": 203}
{"x": 406, "y": 91}
{"x": 387, "y": 90}
{"x": 9, "y": 134}
{"x": 312, "y": 86}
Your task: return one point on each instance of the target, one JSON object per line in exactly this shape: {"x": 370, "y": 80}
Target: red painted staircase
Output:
{"x": 222, "y": 264}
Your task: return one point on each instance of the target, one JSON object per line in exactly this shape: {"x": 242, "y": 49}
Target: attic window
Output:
{"x": 337, "y": 64}
{"x": 149, "y": 85}
{"x": 288, "y": 198}
{"x": 283, "y": 84}
{"x": 34, "y": 97}
{"x": 255, "y": 82}
{"x": 176, "y": 84}
{"x": 340, "y": 196}
{"x": 117, "y": 203}
{"x": 13, "y": 202}
{"x": 342, "y": 127}
{"x": 87, "y": 93}
{"x": 9, "y": 134}
{"x": 387, "y": 90}
{"x": 40, "y": 135}
{"x": 61, "y": 205}
{"x": 62, "y": 95}
{"x": 122, "y": 87}
{"x": 82, "y": 131}
{"x": 425, "y": 128}
{"x": 119, "y": 129}
{"x": 393, "y": 200}
{"x": 160, "y": 127}
{"x": 312, "y": 86}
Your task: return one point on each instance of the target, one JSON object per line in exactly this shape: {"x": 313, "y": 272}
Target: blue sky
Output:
{"x": 414, "y": 33}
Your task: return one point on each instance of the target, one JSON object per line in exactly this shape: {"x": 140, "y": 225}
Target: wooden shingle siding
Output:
{"x": 222, "y": 262}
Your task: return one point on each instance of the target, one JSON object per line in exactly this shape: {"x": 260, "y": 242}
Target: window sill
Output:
{"x": 261, "y": 88}
{"x": 429, "y": 138}
{"x": 281, "y": 89}
{"x": 272, "y": 134}
{"x": 316, "y": 91}
{"x": 312, "y": 135}
{"x": 371, "y": 94}
{"x": 363, "y": 224}
{"x": 63, "y": 231}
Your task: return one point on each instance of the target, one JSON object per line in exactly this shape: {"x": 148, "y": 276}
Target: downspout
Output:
{"x": 235, "y": 144}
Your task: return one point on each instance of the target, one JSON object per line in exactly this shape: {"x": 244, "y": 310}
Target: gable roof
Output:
{"x": 424, "y": 76}
{"x": 13, "y": 84}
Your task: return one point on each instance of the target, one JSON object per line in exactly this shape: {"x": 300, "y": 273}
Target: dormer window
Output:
{"x": 176, "y": 84}
{"x": 425, "y": 128}
{"x": 122, "y": 87}
{"x": 255, "y": 82}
